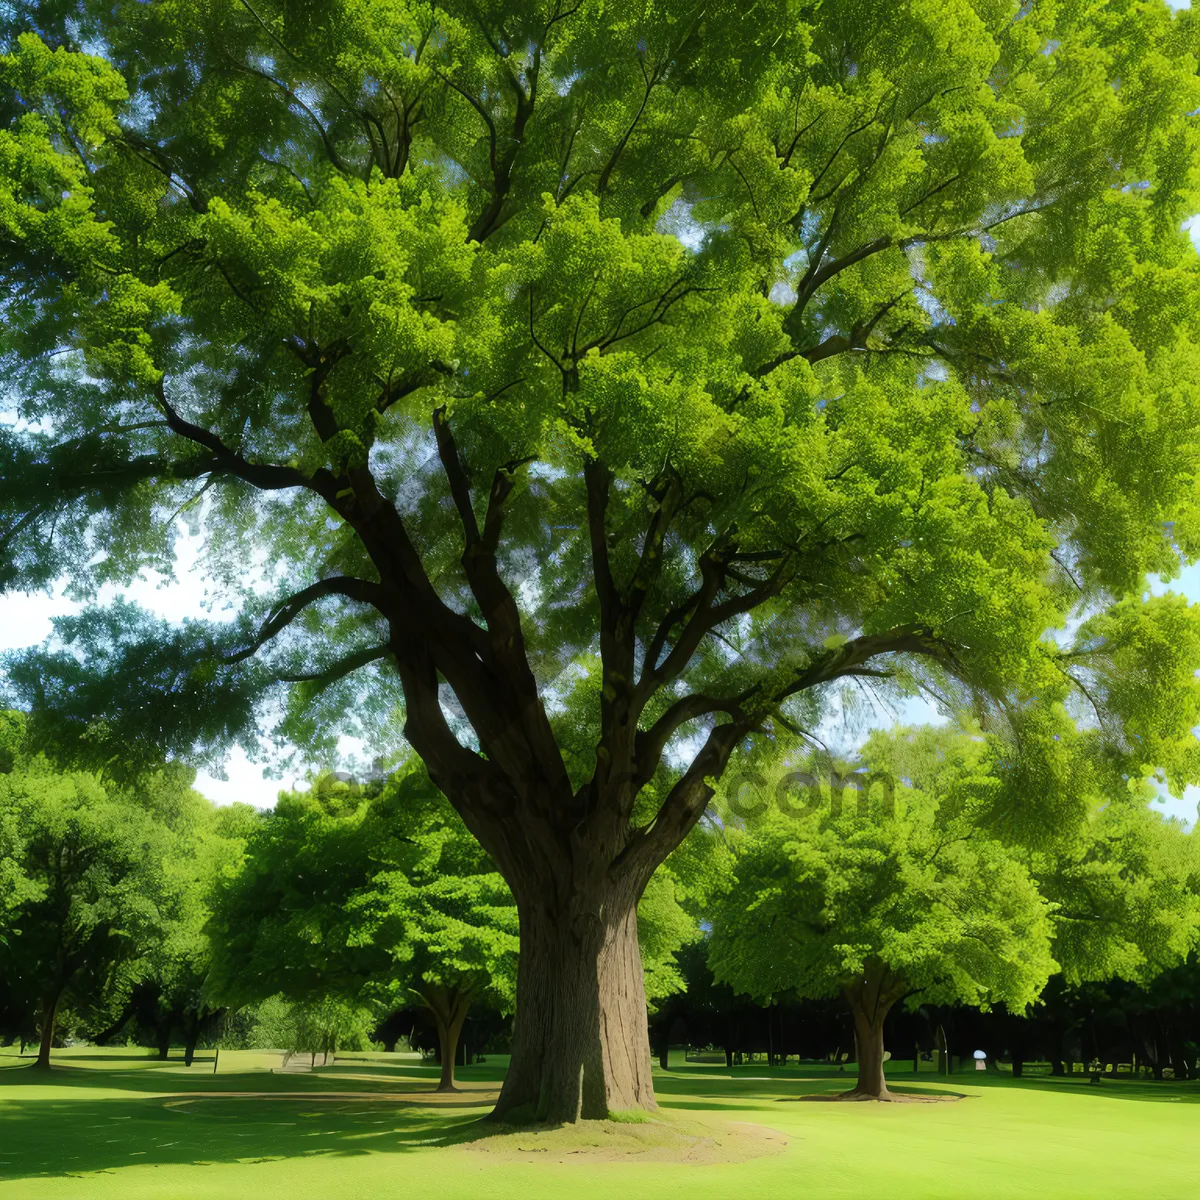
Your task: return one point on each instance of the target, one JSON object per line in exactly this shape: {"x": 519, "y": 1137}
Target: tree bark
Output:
{"x": 581, "y": 1042}
{"x": 49, "y": 1016}
{"x": 189, "y": 1051}
{"x": 106, "y": 1035}
{"x": 449, "y": 1007}
{"x": 870, "y": 999}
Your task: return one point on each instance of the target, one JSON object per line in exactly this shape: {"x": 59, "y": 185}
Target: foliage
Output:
{"x": 923, "y": 891}
{"x": 317, "y": 1027}
{"x": 89, "y": 894}
{"x": 365, "y": 896}
{"x": 1126, "y": 893}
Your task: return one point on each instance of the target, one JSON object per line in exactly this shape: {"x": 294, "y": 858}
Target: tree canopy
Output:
{"x": 1125, "y": 886}
{"x": 90, "y": 894}
{"x": 918, "y": 902}
{"x": 369, "y": 899}
{"x": 602, "y": 382}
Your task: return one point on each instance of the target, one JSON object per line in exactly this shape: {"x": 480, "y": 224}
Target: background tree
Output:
{"x": 675, "y": 362}
{"x": 205, "y": 848}
{"x": 921, "y": 903}
{"x": 1126, "y": 893}
{"x": 314, "y": 1027}
{"x": 364, "y": 899}
{"x": 1125, "y": 885}
{"x": 90, "y": 865}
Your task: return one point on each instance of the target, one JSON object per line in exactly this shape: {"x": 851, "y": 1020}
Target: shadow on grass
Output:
{"x": 155, "y": 1075}
{"x": 78, "y": 1135}
{"x": 789, "y": 1083}
{"x": 75, "y": 1121}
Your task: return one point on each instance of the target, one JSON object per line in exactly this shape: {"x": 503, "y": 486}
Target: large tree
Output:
{"x": 598, "y": 383}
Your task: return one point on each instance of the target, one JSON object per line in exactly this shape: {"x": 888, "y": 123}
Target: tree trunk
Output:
{"x": 449, "y": 1008}
{"x": 49, "y": 1016}
{"x": 106, "y": 1035}
{"x": 189, "y": 1050}
{"x": 164, "y": 1039}
{"x": 729, "y": 1056}
{"x": 1018, "y": 1065}
{"x": 581, "y": 1043}
{"x": 870, "y": 999}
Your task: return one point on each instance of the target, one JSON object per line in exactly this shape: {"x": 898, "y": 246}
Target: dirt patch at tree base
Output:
{"x": 657, "y": 1139}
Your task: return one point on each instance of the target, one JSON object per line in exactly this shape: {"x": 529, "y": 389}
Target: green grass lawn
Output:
{"x": 114, "y": 1124}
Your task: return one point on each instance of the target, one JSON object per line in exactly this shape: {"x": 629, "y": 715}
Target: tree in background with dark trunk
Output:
{"x": 912, "y": 898}
{"x": 93, "y": 866}
{"x": 605, "y": 385}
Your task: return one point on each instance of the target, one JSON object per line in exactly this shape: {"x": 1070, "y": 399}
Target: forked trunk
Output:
{"x": 449, "y": 1008}
{"x": 870, "y": 1000}
{"x": 581, "y": 1043}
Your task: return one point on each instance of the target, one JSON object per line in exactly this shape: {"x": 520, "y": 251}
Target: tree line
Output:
{"x": 141, "y": 910}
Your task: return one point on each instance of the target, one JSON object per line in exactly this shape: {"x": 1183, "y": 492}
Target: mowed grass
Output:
{"x": 115, "y": 1124}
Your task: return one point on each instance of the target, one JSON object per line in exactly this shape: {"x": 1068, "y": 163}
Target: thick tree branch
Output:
{"x": 260, "y": 475}
{"x": 286, "y": 611}
{"x": 686, "y": 801}
{"x": 651, "y": 742}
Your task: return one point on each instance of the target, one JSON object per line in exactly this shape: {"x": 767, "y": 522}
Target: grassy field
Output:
{"x": 114, "y": 1124}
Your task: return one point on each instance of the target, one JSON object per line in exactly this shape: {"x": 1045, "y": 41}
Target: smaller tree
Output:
{"x": 309, "y": 1027}
{"x": 366, "y": 897}
{"x": 1125, "y": 886}
{"x": 88, "y": 866}
{"x": 918, "y": 903}
{"x": 205, "y": 847}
